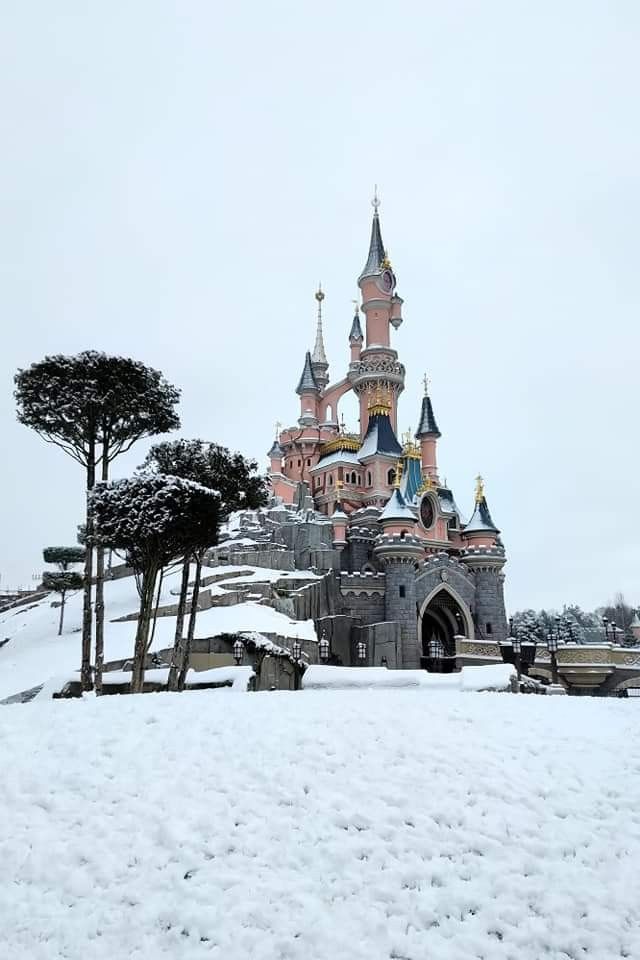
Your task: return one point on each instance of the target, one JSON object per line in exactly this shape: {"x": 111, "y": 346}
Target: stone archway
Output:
{"x": 443, "y": 616}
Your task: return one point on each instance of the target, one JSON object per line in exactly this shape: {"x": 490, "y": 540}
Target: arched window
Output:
{"x": 391, "y": 475}
{"x": 368, "y": 478}
{"x": 291, "y": 464}
{"x": 328, "y": 413}
{"x": 308, "y": 463}
{"x": 403, "y": 534}
{"x": 353, "y": 478}
{"x": 330, "y": 479}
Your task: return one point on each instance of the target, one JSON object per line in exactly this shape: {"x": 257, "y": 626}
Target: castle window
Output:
{"x": 403, "y": 534}
{"x": 401, "y": 590}
{"x": 391, "y": 475}
{"x": 489, "y": 628}
{"x": 299, "y": 463}
{"x": 368, "y": 478}
{"x": 308, "y": 463}
{"x": 330, "y": 479}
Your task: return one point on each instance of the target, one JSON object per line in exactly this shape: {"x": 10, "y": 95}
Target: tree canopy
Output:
{"x": 234, "y": 476}
{"x": 94, "y": 398}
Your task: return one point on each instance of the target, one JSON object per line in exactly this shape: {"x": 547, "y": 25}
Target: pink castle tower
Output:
{"x": 390, "y": 510}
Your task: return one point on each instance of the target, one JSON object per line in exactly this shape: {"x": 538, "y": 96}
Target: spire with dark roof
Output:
{"x": 377, "y": 255}
{"x": 481, "y": 519}
{"x": 307, "y": 380}
{"x": 427, "y": 426}
{"x": 356, "y": 330}
{"x": 319, "y": 355}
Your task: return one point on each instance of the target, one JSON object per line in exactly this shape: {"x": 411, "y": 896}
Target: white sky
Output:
{"x": 177, "y": 177}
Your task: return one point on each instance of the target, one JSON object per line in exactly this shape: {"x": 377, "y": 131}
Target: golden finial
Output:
{"x": 427, "y": 484}
{"x": 479, "y": 489}
{"x": 425, "y": 381}
{"x": 375, "y": 203}
{"x": 386, "y": 263}
{"x": 398, "y": 476}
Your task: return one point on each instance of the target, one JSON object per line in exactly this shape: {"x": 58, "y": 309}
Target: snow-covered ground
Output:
{"x": 493, "y": 677}
{"x": 35, "y": 654}
{"x": 346, "y": 825}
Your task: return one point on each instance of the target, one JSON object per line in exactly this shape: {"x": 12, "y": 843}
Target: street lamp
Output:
{"x": 516, "y": 643}
{"x": 552, "y": 644}
{"x": 361, "y": 650}
{"x": 324, "y": 648}
{"x": 296, "y": 649}
{"x": 238, "y": 651}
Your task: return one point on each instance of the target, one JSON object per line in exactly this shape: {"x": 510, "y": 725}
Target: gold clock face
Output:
{"x": 427, "y": 515}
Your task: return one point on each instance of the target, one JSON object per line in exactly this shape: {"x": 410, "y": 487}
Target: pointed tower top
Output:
{"x": 307, "y": 382}
{"x": 481, "y": 520}
{"x": 377, "y": 255}
{"x": 356, "y": 330}
{"x": 319, "y": 356}
{"x": 427, "y": 426}
{"x": 375, "y": 202}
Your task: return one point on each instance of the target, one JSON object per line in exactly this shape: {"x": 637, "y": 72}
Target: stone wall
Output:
{"x": 383, "y": 640}
{"x": 401, "y": 578}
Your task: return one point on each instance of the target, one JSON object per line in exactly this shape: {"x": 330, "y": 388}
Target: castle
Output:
{"x": 405, "y": 553}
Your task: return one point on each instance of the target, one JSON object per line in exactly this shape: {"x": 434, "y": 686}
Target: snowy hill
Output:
{"x": 34, "y": 654}
{"x": 362, "y": 825}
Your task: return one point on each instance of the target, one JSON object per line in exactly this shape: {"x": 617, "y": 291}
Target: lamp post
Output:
{"x": 552, "y": 644}
{"x": 611, "y": 629}
{"x": 324, "y": 648}
{"x": 436, "y": 652}
{"x": 516, "y": 643}
{"x": 361, "y": 652}
{"x": 296, "y": 650}
{"x": 238, "y": 651}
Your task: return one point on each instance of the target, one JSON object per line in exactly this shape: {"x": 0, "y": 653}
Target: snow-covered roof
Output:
{"x": 481, "y": 519}
{"x": 397, "y": 509}
{"x": 340, "y": 456}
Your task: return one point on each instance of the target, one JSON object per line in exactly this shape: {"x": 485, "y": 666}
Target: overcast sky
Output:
{"x": 177, "y": 178}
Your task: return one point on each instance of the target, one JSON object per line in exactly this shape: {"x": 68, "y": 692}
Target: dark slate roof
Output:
{"x": 276, "y": 450}
{"x": 307, "y": 380}
{"x": 427, "y": 425}
{"x": 379, "y": 438}
{"x": 356, "y": 329}
{"x": 376, "y": 250}
{"x": 481, "y": 519}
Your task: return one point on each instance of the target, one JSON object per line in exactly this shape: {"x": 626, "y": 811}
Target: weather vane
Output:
{"x": 375, "y": 203}
{"x": 278, "y": 425}
{"x": 425, "y": 380}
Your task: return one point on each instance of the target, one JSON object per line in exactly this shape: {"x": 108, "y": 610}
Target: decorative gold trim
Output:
{"x": 346, "y": 441}
{"x": 479, "y": 489}
{"x": 427, "y": 485}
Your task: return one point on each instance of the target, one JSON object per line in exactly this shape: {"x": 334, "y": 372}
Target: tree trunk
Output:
{"x": 142, "y": 631}
{"x": 178, "y": 644}
{"x": 61, "y": 621}
{"x": 184, "y": 665}
{"x": 100, "y": 552}
{"x": 154, "y": 619}
{"x": 85, "y": 665}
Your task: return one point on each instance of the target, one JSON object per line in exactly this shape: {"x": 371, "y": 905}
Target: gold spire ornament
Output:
{"x": 386, "y": 263}
{"x": 381, "y": 401}
{"x": 479, "y": 489}
{"x": 427, "y": 484}
{"x": 398, "y": 476}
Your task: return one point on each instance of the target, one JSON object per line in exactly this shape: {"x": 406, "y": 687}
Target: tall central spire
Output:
{"x": 377, "y": 254}
{"x": 319, "y": 356}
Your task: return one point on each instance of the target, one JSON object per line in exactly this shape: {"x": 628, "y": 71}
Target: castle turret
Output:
{"x": 427, "y": 434}
{"x": 483, "y": 554}
{"x": 356, "y": 337}
{"x": 308, "y": 391}
{"x": 276, "y": 453}
{"x": 377, "y": 364}
{"x": 400, "y": 551}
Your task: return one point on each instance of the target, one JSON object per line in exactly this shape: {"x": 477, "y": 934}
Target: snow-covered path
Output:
{"x": 334, "y": 824}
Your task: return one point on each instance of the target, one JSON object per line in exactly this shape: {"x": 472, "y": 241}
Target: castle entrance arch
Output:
{"x": 443, "y": 616}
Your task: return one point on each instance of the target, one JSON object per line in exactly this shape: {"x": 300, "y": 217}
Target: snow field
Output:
{"x": 342, "y": 825}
